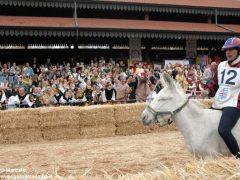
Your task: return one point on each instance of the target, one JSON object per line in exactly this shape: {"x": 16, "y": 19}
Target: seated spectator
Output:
{"x": 88, "y": 91}
{"x": 10, "y": 91}
{"x": 109, "y": 94}
{"x": 97, "y": 95}
{"x": 80, "y": 96}
{"x": 22, "y": 99}
{"x": 35, "y": 97}
{"x": 68, "y": 97}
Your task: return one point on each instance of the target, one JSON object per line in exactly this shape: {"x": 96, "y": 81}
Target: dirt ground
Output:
{"x": 96, "y": 157}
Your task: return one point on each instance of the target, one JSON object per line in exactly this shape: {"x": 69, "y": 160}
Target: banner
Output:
{"x": 135, "y": 50}
{"x": 191, "y": 48}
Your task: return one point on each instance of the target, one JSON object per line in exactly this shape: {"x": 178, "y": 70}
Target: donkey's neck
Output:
{"x": 189, "y": 120}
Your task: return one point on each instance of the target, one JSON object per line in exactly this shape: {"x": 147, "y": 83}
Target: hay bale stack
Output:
{"x": 52, "y": 123}
{"x": 59, "y": 123}
{"x": 20, "y": 125}
{"x": 97, "y": 121}
{"x": 128, "y": 120}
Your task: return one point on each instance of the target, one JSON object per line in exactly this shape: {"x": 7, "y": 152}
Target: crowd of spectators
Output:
{"x": 97, "y": 82}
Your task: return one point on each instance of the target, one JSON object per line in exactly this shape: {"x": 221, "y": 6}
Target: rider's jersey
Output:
{"x": 228, "y": 81}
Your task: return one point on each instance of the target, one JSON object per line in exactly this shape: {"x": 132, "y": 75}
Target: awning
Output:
{"x": 37, "y": 26}
{"x": 91, "y": 27}
{"x": 93, "y": 23}
{"x": 204, "y": 7}
{"x": 162, "y": 6}
{"x": 30, "y": 21}
{"x": 232, "y": 4}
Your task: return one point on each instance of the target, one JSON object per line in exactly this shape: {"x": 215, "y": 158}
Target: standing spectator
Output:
{"x": 94, "y": 77}
{"x": 207, "y": 74}
{"x": 122, "y": 89}
{"x": 27, "y": 82}
{"x": 29, "y": 70}
{"x": 139, "y": 68}
{"x": 132, "y": 82}
{"x": 181, "y": 79}
{"x": 14, "y": 68}
{"x": 5, "y": 70}
{"x": 12, "y": 78}
{"x": 1, "y": 77}
{"x": 48, "y": 63}
{"x": 142, "y": 90}
{"x": 192, "y": 87}
{"x": 36, "y": 70}
{"x": 192, "y": 73}
{"x": 4, "y": 84}
{"x": 122, "y": 67}
{"x": 112, "y": 61}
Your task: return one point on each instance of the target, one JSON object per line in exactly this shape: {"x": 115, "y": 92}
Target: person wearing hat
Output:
{"x": 227, "y": 97}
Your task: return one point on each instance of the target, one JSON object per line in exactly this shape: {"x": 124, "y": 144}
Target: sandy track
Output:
{"x": 122, "y": 154}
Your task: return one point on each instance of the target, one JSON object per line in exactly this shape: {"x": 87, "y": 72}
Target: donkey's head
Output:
{"x": 169, "y": 99}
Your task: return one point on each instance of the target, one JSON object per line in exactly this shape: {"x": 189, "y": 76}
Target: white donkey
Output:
{"x": 199, "y": 126}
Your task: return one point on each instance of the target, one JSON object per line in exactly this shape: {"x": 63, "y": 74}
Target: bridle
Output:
{"x": 172, "y": 113}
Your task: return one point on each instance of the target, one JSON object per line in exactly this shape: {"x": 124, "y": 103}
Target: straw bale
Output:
{"x": 8, "y": 136}
{"x": 106, "y": 130}
{"x": 60, "y": 132}
{"x": 96, "y": 115}
{"x": 129, "y": 112}
{"x": 60, "y": 116}
{"x": 19, "y": 118}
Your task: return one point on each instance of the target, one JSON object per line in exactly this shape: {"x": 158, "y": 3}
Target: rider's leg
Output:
{"x": 228, "y": 120}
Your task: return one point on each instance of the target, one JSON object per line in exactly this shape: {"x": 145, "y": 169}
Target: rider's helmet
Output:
{"x": 232, "y": 43}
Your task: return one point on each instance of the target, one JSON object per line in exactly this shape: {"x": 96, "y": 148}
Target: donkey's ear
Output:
{"x": 168, "y": 80}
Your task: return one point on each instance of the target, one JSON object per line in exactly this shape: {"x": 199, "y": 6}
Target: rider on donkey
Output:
{"x": 227, "y": 96}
